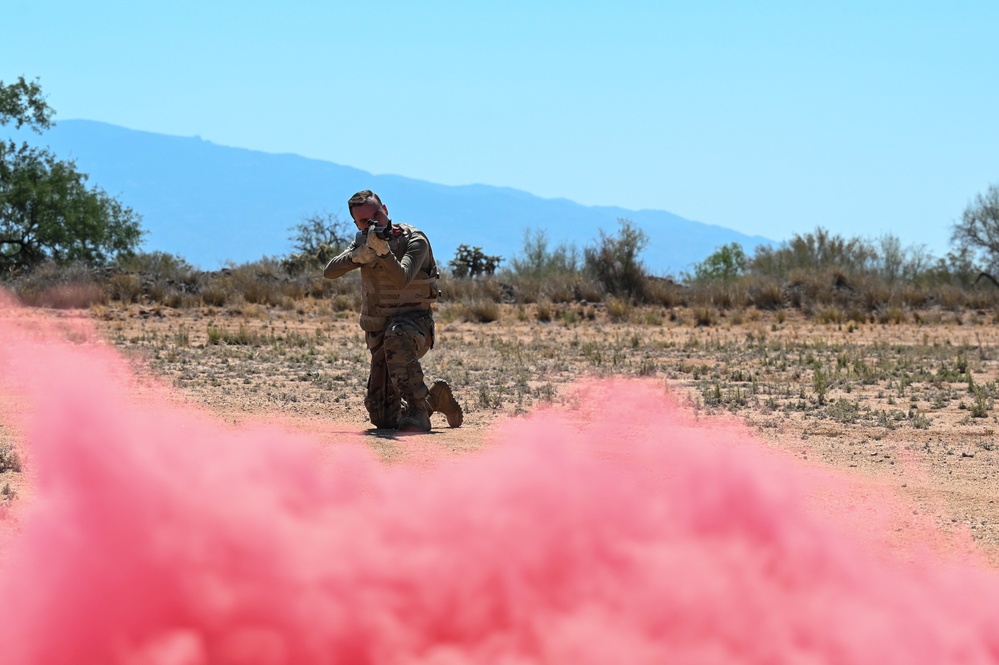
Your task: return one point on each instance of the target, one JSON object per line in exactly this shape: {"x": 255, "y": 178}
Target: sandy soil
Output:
{"x": 909, "y": 405}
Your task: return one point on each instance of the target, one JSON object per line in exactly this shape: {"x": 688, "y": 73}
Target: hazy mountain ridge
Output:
{"x": 212, "y": 204}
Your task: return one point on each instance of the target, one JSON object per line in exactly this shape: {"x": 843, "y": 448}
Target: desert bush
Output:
{"x": 9, "y": 459}
{"x": 564, "y": 289}
{"x": 830, "y": 314}
{"x": 873, "y": 292}
{"x": 68, "y": 296}
{"x": 471, "y": 310}
{"x": 170, "y": 296}
{"x": 157, "y": 265}
{"x": 613, "y": 261}
{"x": 666, "y": 292}
{"x": 765, "y": 292}
{"x": 544, "y": 311}
{"x": 262, "y": 282}
{"x": 60, "y": 286}
{"x": 807, "y": 289}
{"x": 467, "y": 289}
{"x": 125, "y": 287}
{"x": 219, "y": 293}
{"x": 537, "y": 261}
{"x": 704, "y": 316}
{"x": 482, "y": 311}
{"x": 618, "y": 309}
{"x": 949, "y": 296}
{"x": 891, "y": 314}
{"x": 651, "y": 317}
{"x": 258, "y": 283}
{"x": 812, "y": 252}
{"x": 913, "y": 296}
{"x": 976, "y": 298}
{"x": 344, "y": 302}
{"x": 586, "y": 288}
{"x": 721, "y": 294}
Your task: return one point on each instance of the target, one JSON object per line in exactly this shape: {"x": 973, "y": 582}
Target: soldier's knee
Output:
{"x": 399, "y": 341}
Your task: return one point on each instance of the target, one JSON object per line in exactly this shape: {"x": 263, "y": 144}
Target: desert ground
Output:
{"x": 909, "y": 403}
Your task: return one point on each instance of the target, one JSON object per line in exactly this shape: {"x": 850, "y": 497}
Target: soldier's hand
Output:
{"x": 377, "y": 245}
{"x": 362, "y": 254}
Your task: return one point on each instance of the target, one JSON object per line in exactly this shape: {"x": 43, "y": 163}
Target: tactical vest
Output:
{"x": 381, "y": 299}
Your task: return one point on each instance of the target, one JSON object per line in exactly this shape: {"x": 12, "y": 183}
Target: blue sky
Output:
{"x": 770, "y": 118}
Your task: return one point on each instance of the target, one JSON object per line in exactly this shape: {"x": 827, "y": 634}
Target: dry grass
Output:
{"x": 854, "y": 388}
{"x": 746, "y": 360}
{"x": 827, "y": 294}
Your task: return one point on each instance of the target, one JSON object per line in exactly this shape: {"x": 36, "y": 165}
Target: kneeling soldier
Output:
{"x": 398, "y": 287}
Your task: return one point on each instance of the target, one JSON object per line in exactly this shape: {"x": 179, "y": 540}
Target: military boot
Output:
{"x": 416, "y": 418}
{"x": 442, "y": 399}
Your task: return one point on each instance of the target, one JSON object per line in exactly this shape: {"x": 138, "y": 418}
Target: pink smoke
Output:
{"x": 617, "y": 531}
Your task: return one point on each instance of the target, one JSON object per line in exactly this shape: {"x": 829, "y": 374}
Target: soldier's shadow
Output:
{"x": 394, "y": 434}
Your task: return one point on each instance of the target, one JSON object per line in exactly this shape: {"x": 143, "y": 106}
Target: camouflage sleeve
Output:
{"x": 341, "y": 264}
{"x": 403, "y": 271}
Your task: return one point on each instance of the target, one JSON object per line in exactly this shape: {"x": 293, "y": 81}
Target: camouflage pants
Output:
{"x": 396, "y": 374}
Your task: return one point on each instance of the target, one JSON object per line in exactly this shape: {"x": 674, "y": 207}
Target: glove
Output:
{"x": 377, "y": 245}
{"x": 362, "y": 254}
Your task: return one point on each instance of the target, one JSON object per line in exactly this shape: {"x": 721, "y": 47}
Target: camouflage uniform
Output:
{"x": 397, "y": 291}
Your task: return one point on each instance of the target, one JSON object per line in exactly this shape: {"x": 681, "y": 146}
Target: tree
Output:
{"x": 472, "y": 262}
{"x": 316, "y": 240}
{"x": 895, "y": 263}
{"x": 614, "y": 261}
{"x": 47, "y": 212}
{"x": 727, "y": 263}
{"x": 978, "y": 231}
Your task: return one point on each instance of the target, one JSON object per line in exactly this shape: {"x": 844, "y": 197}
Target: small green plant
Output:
{"x": 820, "y": 382}
{"x": 921, "y": 421}
{"x": 844, "y": 411}
{"x": 982, "y": 405}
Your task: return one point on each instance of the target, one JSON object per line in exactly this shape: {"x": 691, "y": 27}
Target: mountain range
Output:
{"x": 214, "y": 205}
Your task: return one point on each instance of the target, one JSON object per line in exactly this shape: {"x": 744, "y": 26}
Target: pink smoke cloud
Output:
{"x": 616, "y": 531}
